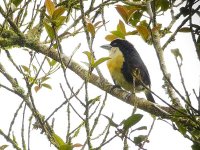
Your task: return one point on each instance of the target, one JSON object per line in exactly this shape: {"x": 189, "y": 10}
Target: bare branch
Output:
{"x": 14, "y": 144}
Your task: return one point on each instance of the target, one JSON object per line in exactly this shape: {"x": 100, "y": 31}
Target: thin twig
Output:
{"x": 198, "y": 99}
{"x": 106, "y": 142}
{"x": 12, "y": 24}
{"x": 29, "y": 131}
{"x": 14, "y": 144}
{"x": 99, "y": 114}
{"x": 14, "y": 117}
{"x": 179, "y": 27}
{"x": 150, "y": 130}
{"x": 22, "y": 129}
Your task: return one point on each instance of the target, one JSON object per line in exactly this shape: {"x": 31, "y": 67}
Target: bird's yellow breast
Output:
{"x": 115, "y": 65}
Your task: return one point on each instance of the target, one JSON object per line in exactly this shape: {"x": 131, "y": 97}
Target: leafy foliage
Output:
{"x": 92, "y": 62}
{"x": 55, "y": 19}
{"x": 75, "y": 17}
{"x": 131, "y": 121}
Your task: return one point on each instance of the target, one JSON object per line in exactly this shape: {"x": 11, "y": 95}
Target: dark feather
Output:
{"x": 132, "y": 62}
{"x": 149, "y": 96}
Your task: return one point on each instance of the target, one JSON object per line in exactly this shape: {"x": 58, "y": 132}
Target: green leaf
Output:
{"x": 111, "y": 122}
{"x": 90, "y": 57}
{"x": 135, "y": 32}
{"x": 118, "y": 34}
{"x": 49, "y": 30}
{"x": 121, "y": 27}
{"x": 50, "y": 7}
{"x": 123, "y": 12}
{"x": 126, "y": 12}
{"x": 66, "y": 147}
{"x": 34, "y": 68}
{"x": 184, "y": 29}
{"x": 99, "y": 61}
{"x": 14, "y": 138}
{"x": 59, "y": 21}
{"x": 88, "y": 54}
{"x": 131, "y": 121}
{"x": 46, "y": 86}
{"x": 139, "y": 139}
{"x": 141, "y": 128}
{"x": 143, "y": 31}
{"x": 3, "y": 147}
{"x": 31, "y": 79}
{"x": 58, "y": 12}
{"x": 58, "y": 140}
{"x": 44, "y": 78}
{"x": 92, "y": 101}
{"x": 25, "y": 68}
{"x": 134, "y": 14}
{"x": 51, "y": 62}
{"x": 144, "y": 23}
{"x": 110, "y": 37}
{"x": 164, "y": 4}
{"x": 16, "y": 2}
{"x": 91, "y": 29}
{"x": 77, "y": 130}
{"x": 136, "y": 18}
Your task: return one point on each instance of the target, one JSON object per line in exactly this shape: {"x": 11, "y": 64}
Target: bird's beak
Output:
{"x": 108, "y": 46}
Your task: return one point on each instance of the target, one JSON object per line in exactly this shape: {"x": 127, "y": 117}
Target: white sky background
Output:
{"x": 162, "y": 137}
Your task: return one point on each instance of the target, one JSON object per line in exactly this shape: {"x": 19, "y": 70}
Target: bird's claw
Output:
{"x": 114, "y": 87}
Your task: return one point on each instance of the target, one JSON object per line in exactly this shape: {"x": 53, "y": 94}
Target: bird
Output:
{"x": 127, "y": 69}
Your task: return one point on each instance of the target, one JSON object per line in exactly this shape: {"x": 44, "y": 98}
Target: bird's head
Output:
{"x": 119, "y": 44}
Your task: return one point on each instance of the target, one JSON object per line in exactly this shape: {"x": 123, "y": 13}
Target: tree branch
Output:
{"x": 103, "y": 84}
{"x": 159, "y": 51}
{"x": 15, "y": 145}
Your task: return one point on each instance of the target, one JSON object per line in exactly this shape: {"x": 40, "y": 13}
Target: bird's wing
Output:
{"x": 135, "y": 63}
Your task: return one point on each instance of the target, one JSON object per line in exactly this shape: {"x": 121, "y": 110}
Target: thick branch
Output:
{"x": 159, "y": 51}
{"x": 83, "y": 73}
{"x": 143, "y": 104}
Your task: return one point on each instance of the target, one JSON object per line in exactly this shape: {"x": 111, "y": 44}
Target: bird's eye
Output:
{"x": 114, "y": 44}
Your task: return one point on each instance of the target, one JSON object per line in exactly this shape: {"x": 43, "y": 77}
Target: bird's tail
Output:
{"x": 149, "y": 96}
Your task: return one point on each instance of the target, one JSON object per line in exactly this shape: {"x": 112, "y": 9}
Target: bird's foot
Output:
{"x": 114, "y": 87}
{"x": 128, "y": 97}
